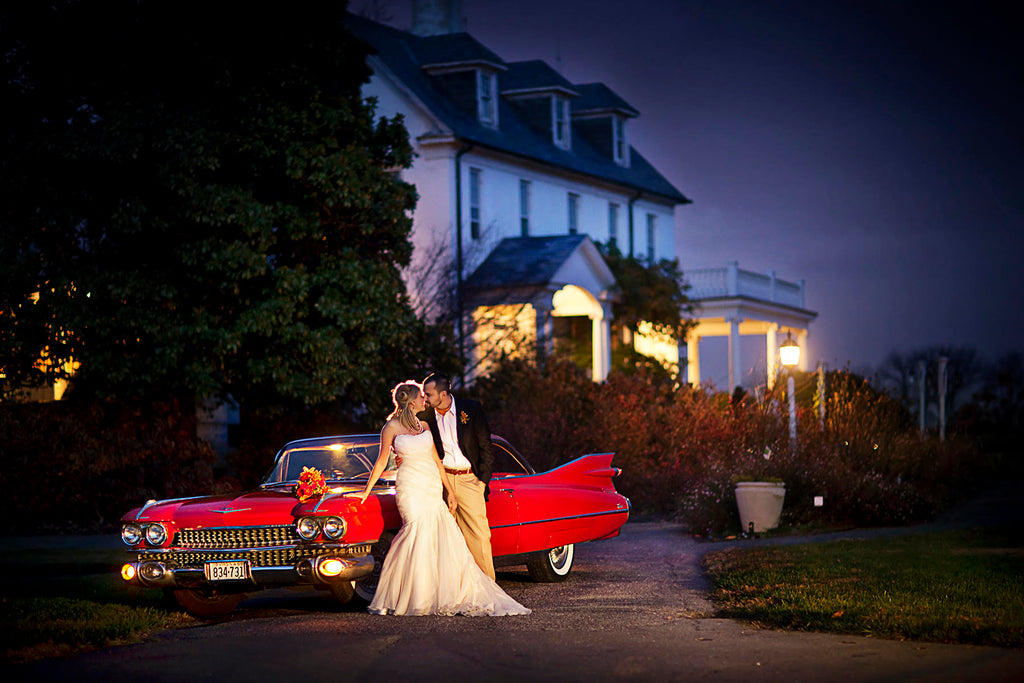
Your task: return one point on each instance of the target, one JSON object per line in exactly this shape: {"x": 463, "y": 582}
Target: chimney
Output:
{"x": 436, "y": 17}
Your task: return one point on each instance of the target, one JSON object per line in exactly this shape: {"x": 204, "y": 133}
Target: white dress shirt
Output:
{"x": 447, "y": 424}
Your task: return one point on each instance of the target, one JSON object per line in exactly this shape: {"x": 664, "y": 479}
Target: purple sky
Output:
{"x": 870, "y": 148}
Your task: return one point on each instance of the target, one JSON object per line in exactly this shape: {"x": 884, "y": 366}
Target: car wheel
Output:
{"x": 343, "y": 591}
{"x": 207, "y": 605}
{"x": 366, "y": 587}
{"x": 551, "y": 565}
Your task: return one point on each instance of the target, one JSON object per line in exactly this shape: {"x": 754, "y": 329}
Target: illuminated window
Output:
{"x": 508, "y": 330}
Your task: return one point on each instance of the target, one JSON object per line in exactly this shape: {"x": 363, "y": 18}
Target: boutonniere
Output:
{"x": 464, "y": 417}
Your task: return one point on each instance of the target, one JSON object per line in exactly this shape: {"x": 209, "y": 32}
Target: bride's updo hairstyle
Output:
{"x": 402, "y": 396}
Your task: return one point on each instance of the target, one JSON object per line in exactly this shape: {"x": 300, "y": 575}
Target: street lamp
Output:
{"x": 789, "y": 353}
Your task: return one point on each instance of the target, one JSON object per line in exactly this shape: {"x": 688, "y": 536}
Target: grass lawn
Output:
{"x": 51, "y": 608}
{"x": 962, "y": 586}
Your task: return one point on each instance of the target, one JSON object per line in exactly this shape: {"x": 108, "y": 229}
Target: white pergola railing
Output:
{"x": 733, "y": 281}
{"x": 733, "y": 302}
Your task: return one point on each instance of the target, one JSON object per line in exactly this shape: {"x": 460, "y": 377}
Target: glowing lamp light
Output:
{"x": 789, "y": 351}
{"x": 331, "y": 567}
{"x": 128, "y": 572}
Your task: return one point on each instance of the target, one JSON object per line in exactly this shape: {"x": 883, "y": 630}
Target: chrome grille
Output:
{"x": 227, "y": 538}
{"x": 275, "y": 557}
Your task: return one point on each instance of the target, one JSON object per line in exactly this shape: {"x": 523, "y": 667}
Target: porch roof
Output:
{"x": 520, "y": 268}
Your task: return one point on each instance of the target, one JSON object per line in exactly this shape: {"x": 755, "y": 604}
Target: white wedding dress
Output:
{"x": 429, "y": 569}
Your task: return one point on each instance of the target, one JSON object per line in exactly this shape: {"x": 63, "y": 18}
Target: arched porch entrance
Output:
{"x": 532, "y": 293}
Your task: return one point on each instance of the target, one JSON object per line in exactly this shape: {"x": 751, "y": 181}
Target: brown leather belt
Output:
{"x": 449, "y": 470}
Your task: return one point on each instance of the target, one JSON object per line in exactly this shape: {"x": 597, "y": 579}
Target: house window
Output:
{"x": 613, "y": 224}
{"x": 560, "y": 121}
{"x": 524, "y": 207}
{"x": 486, "y": 86}
{"x": 620, "y": 148}
{"x": 574, "y": 213}
{"x": 652, "y": 224}
{"x": 474, "y": 202}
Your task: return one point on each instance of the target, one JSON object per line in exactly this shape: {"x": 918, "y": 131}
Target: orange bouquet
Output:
{"x": 311, "y": 484}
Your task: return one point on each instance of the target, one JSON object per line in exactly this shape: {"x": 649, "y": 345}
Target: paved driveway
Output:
{"x": 634, "y": 609}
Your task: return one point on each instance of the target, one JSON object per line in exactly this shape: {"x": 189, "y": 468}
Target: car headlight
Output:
{"x": 131, "y": 534}
{"x": 334, "y": 528}
{"x": 307, "y": 528}
{"x": 156, "y": 534}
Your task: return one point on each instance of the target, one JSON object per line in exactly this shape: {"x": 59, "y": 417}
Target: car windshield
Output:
{"x": 338, "y": 458}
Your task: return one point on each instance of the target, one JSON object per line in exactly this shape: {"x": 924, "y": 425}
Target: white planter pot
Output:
{"x": 760, "y": 502}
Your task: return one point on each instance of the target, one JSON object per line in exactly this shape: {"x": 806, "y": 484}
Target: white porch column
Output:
{"x": 771, "y": 353}
{"x": 601, "y": 344}
{"x": 735, "y": 357}
{"x": 693, "y": 359}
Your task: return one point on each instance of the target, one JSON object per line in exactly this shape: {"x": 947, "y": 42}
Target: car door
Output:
{"x": 502, "y": 506}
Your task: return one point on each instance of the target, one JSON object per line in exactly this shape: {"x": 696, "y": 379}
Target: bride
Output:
{"x": 429, "y": 569}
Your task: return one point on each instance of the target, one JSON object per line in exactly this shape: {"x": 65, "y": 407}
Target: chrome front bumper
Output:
{"x": 154, "y": 573}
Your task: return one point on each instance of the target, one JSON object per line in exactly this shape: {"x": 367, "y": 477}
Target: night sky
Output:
{"x": 870, "y": 148}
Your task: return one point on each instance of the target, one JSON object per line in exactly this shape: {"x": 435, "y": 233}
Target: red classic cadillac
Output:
{"x": 210, "y": 551}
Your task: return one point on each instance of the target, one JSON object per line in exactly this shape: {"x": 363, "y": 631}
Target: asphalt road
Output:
{"x": 633, "y": 609}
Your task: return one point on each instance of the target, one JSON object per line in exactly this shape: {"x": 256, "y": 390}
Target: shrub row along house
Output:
{"x": 519, "y": 172}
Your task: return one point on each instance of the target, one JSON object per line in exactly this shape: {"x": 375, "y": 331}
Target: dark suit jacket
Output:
{"x": 474, "y": 437}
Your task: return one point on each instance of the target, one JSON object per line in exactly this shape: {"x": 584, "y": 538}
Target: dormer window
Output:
{"x": 560, "y": 130}
{"x": 487, "y": 104}
{"x": 620, "y": 146}
{"x": 599, "y": 117}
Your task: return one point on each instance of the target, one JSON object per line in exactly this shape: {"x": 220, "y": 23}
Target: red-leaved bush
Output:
{"x": 682, "y": 449}
{"x": 79, "y": 467}
{"x": 68, "y": 466}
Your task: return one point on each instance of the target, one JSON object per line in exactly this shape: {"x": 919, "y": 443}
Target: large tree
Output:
{"x": 199, "y": 200}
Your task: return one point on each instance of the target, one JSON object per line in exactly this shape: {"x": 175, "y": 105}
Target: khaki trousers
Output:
{"x": 471, "y": 516}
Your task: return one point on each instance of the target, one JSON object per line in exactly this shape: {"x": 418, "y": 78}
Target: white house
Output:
{"x": 519, "y": 172}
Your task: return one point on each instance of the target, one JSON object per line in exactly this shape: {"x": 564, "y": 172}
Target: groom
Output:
{"x": 462, "y": 438}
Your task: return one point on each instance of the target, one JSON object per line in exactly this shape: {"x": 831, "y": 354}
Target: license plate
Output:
{"x": 233, "y": 570}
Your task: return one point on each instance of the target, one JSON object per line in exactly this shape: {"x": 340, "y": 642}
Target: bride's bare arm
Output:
{"x": 387, "y": 437}
{"x": 452, "y": 503}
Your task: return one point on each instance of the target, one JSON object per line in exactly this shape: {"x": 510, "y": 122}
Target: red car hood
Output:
{"x": 269, "y": 507}
{"x": 248, "y": 509}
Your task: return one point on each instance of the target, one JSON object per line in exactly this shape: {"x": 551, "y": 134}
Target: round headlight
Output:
{"x": 307, "y": 528}
{"x": 152, "y": 571}
{"x": 334, "y": 528}
{"x": 131, "y": 533}
{"x": 156, "y": 534}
